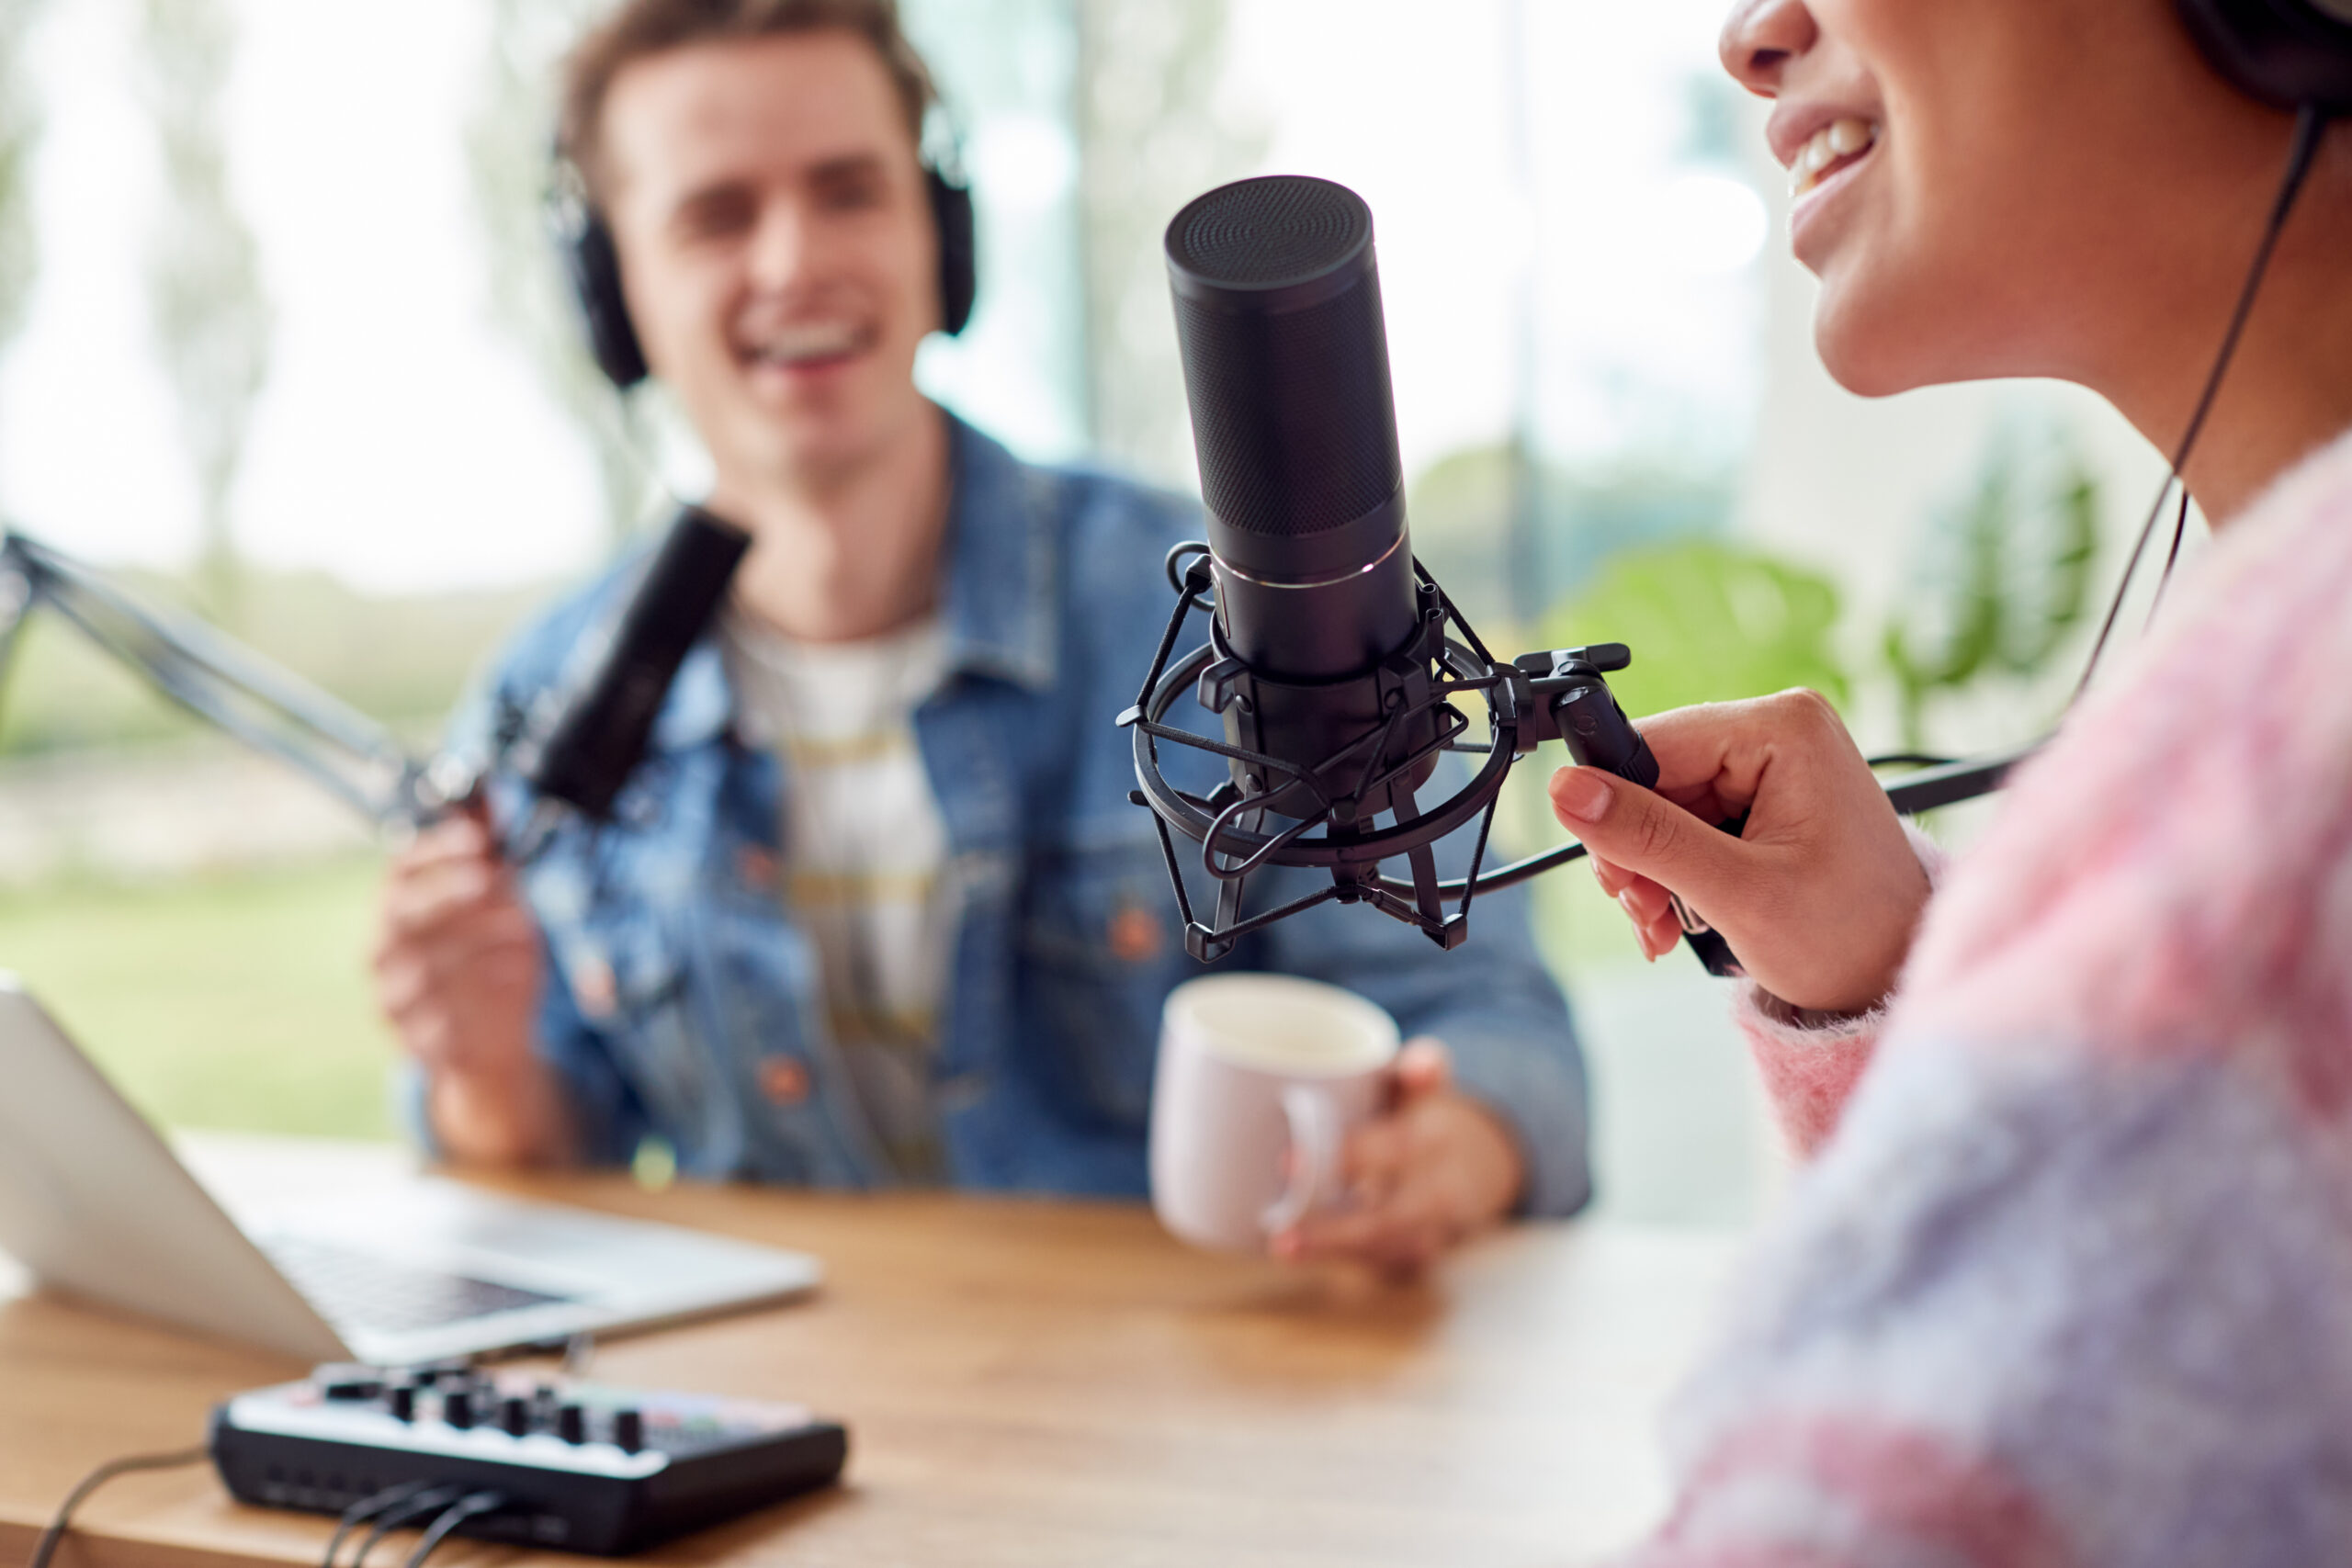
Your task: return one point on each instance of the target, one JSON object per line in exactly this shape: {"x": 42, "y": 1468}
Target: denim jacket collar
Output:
{"x": 998, "y": 594}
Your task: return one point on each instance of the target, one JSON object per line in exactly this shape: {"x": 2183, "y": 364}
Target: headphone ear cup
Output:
{"x": 2290, "y": 55}
{"x": 594, "y": 264}
{"x": 959, "y": 263}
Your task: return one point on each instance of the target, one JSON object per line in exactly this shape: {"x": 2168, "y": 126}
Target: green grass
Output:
{"x": 237, "y": 1002}
{"x": 241, "y": 999}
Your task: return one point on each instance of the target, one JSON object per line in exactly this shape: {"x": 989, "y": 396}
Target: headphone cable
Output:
{"x": 2172, "y": 558}
{"x": 2311, "y": 124}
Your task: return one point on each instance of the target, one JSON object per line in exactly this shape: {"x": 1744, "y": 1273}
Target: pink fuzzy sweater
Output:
{"x": 2070, "y": 1281}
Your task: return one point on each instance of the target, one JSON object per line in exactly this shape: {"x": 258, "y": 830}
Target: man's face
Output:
{"x": 776, "y": 247}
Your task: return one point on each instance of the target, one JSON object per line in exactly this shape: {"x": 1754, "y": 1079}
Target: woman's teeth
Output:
{"x": 1834, "y": 143}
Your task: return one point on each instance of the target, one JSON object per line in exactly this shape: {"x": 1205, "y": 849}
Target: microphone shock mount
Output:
{"x": 1361, "y": 805}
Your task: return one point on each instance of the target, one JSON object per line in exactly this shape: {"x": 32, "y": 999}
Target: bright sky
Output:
{"x": 1641, "y": 263}
{"x": 401, "y": 440}
{"x": 404, "y": 443}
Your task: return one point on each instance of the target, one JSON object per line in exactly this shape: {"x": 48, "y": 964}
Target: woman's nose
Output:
{"x": 1761, "y": 38}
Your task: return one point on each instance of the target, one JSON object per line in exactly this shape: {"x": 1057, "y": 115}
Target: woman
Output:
{"x": 2071, "y": 1281}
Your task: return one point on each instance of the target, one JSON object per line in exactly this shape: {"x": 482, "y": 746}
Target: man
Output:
{"x": 878, "y": 910}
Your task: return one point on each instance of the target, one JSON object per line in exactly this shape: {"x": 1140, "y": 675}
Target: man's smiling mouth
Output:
{"x": 806, "y": 343}
{"x": 1836, "y": 146}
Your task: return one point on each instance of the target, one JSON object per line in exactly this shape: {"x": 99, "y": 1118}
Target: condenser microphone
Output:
{"x": 601, "y": 734}
{"x": 1339, "y": 668}
{"x": 1285, "y": 358}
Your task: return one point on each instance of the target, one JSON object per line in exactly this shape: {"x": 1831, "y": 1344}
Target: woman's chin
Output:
{"x": 1903, "y": 323}
{"x": 1871, "y": 352}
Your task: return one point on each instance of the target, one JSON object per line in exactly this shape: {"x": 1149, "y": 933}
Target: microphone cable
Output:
{"x": 47, "y": 1547}
{"x": 471, "y": 1506}
{"x": 2310, "y": 126}
{"x": 415, "y": 1507}
{"x": 367, "y": 1509}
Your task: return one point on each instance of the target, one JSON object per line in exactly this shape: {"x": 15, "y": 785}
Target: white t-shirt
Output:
{"x": 863, "y": 846}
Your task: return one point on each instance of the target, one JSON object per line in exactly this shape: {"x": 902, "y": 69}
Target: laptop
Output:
{"x": 389, "y": 1272}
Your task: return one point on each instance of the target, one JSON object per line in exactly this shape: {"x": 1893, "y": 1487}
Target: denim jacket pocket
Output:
{"x": 1102, "y": 944}
{"x": 647, "y": 1020}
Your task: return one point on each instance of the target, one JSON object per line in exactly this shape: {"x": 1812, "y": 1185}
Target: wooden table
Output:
{"x": 1025, "y": 1384}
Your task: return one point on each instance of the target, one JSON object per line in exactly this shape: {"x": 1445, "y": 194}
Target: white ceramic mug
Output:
{"x": 1252, "y": 1067}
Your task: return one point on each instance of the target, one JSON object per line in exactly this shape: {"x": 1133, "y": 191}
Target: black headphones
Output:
{"x": 594, "y": 264}
{"x": 2291, "y": 54}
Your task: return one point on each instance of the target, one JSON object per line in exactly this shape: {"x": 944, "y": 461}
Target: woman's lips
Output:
{"x": 1828, "y": 163}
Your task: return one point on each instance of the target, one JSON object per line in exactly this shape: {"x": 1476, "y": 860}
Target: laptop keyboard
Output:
{"x": 366, "y": 1291}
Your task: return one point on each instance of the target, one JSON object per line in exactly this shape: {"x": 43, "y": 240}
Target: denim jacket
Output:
{"x": 682, "y": 1001}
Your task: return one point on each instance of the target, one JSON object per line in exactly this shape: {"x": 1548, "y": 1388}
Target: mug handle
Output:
{"x": 1314, "y": 1119}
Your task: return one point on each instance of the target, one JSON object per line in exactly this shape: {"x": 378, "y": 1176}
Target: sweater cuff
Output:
{"x": 1810, "y": 1061}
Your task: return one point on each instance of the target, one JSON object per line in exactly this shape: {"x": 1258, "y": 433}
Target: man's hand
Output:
{"x": 1432, "y": 1170}
{"x": 458, "y": 972}
{"x": 1820, "y": 894}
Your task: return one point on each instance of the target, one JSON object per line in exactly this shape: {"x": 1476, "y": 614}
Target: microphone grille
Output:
{"x": 1285, "y": 355}
{"x": 1268, "y": 232}
{"x": 1291, "y": 420}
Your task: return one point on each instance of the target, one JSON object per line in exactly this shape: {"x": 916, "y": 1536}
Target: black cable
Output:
{"x": 456, "y": 1514}
{"x": 1907, "y": 759}
{"x": 415, "y": 1508}
{"x": 367, "y": 1509}
{"x": 2172, "y": 558}
{"x": 176, "y": 1459}
{"x": 2310, "y": 123}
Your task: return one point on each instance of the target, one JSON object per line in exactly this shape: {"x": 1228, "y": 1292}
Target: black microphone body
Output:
{"x": 1285, "y": 355}
{"x": 601, "y": 736}
{"x": 1330, "y": 655}
{"x": 1330, "y": 658}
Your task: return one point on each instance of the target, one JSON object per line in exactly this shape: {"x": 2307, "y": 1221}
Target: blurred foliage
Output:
{"x": 239, "y": 1001}
{"x": 508, "y": 142}
{"x": 19, "y": 130}
{"x": 1707, "y": 622}
{"x": 2004, "y": 577}
{"x": 402, "y": 659}
{"x": 208, "y": 311}
{"x": 2000, "y": 584}
{"x": 1461, "y": 508}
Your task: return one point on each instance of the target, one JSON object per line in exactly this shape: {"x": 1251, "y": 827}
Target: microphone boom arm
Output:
{"x": 348, "y": 754}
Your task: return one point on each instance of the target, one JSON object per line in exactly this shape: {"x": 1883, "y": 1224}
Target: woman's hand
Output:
{"x": 1422, "y": 1176}
{"x": 1820, "y": 894}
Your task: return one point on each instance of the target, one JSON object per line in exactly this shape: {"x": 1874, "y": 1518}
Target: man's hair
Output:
{"x": 638, "y": 29}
